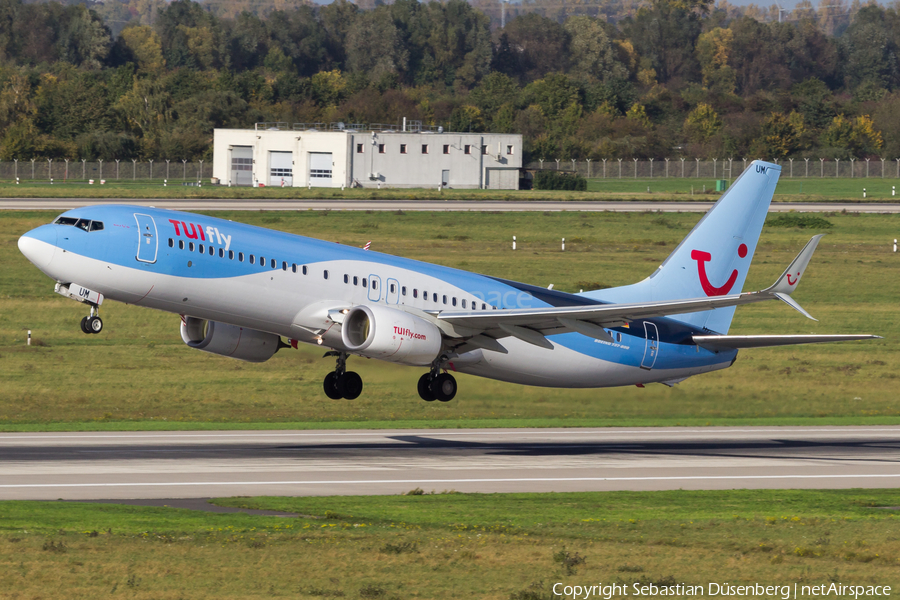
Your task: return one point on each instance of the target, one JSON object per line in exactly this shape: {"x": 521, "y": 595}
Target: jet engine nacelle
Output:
{"x": 390, "y": 334}
{"x": 229, "y": 340}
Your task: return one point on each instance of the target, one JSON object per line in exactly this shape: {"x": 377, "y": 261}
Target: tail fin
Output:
{"x": 714, "y": 258}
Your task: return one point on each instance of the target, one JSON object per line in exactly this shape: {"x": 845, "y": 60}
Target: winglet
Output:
{"x": 789, "y": 280}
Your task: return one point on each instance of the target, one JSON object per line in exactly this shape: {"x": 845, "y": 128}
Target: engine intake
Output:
{"x": 229, "y": 340}
{"x": 390, "y": 334}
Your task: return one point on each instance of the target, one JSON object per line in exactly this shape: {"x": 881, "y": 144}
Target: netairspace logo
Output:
{"x": 786, "y": 592}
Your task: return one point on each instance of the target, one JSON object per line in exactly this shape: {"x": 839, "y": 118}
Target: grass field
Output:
{"x": 789, "y": 189}
{"x": 138, "y": 374}
{"x": 498, "y": 546}
{"x": 673, "y": 188}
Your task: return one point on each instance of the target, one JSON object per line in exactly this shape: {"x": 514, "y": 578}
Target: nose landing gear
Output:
{"x": 93, "y": 323}
{"x": 342, "y": 383}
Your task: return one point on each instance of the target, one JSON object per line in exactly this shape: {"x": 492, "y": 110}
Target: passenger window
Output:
{"x": 212, "y": 251}
{"x": 355, "y": 280}
{"x": 366, "y": 282}
{"x": 618, "y": 336}
{"x": 304, "y": 269}
{"x": 393, "y": 288}
{"x": 444, "y": 298}
{"x": 424, "y": 295}
{"x": 284, "y": 266}
{"x": 262, "y": 260}
{"x": 294, "y": 268}
{"x": 191, "y": 246}
{"x": 463, "y": 303}
{"x": 240, "y": 257}
{"x": 325, "y": 273}
{"x": 374, "y": 285}
{"x": 231, "y": 255}
{"x": 181, "y": 244}
{"x": 171, "y": 243}
{"x": 415, "y": 292}
{"x": 403, "y": 290}
{"x": 96, "y": 226}
{"x": 483, "y": 306}
{"x": 221, "y": 252}
{"x": 453, "y": 302}
{"x": 434, "y": 297}
{"x": 273, "y": 264}
{"x": 252, "y": 260}
{"x": 346, "y": 278}
{"x": 201, "y": 248}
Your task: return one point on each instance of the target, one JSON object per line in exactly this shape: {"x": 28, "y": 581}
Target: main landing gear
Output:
{"x": 435, "y": 385}
{"x": 92, "y": 324}
{"x": 342, "y": 383}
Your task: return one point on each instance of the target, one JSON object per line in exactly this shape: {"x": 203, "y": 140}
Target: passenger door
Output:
{"x": 147, "y": 242}
{"x": 651, "y": 345}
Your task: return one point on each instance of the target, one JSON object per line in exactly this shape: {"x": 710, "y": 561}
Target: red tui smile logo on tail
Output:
{"x": 702, "y": 258}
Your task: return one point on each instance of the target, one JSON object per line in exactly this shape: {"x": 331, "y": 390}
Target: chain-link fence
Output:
{"x": 122, "y": 170}
{"x": 720, "y": 168}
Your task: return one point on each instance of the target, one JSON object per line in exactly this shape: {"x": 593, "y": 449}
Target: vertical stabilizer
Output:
{"x": 713, "y": 260}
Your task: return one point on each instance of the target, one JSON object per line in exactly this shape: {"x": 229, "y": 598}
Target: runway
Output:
{"x": 433, "y": 205}
{"x": 148, "y": 465}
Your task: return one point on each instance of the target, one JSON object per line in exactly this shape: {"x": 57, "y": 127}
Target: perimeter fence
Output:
{"x": 727, "y": 168}
{"x": 114, "y": 170}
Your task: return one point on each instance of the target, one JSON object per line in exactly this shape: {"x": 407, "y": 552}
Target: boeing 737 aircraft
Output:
{"x": 240, "y": 290}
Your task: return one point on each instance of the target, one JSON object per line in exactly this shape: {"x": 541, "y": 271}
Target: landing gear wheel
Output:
{"x": 331, "y": 387}
{"x": 94, "y": 325}
{"x": 425, "y": 388}
{"x": 351, "y": 385}
{"x": 84, "y": 326}
{"x": 443, "y": 387}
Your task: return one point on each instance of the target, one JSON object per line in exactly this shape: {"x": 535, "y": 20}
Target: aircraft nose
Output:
{"x": 39, "y": 245}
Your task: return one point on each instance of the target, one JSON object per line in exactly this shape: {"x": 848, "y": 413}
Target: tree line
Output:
{"x": 625, "y": 79}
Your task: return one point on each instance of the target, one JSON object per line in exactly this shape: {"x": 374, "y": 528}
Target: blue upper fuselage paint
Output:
{"x": 117, "y": 244}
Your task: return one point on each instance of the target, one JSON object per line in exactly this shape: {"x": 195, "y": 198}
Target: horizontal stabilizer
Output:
{"x": 734, "y": 342}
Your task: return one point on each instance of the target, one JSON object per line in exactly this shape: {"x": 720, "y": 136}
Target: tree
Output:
{"x": 665, "y": 34}
{"x": 540, "y": 45}
{"x": 783, "y": 134}
{"x": 374, "y": 46}
{"x": 145, "y": 46}
{"x": 702, "y": 123}
{"x": 858, "y": 136}
{"x": 869, "y": 48}
{"x": 713, "y": 50}
{"x": 592, "y": 52}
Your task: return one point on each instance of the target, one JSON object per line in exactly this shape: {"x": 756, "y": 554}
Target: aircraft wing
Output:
{"x": 733, "y": 342}
{"x": 533, "y": 324}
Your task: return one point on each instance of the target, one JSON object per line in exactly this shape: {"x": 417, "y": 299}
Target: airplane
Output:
{"x": 241, "y": 290}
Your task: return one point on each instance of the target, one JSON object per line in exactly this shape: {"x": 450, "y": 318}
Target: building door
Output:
{"x": 651, "y": 345}
{"x": 281, "y": 169}
{"x": 320, "y": 168}
{"x": 242, "y": 165}
{"x": 445, "y": 178}
{"x": 147, "y": 242}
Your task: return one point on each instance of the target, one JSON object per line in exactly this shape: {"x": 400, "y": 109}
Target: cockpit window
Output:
{"x": 85, "y": 224}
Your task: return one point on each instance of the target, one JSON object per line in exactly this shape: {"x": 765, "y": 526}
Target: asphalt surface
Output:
{"x": 431, "y": 205}
{"x": 165, "y": 465}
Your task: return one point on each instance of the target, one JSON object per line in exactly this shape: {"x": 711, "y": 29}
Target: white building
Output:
{"x": 275, "y": 154}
